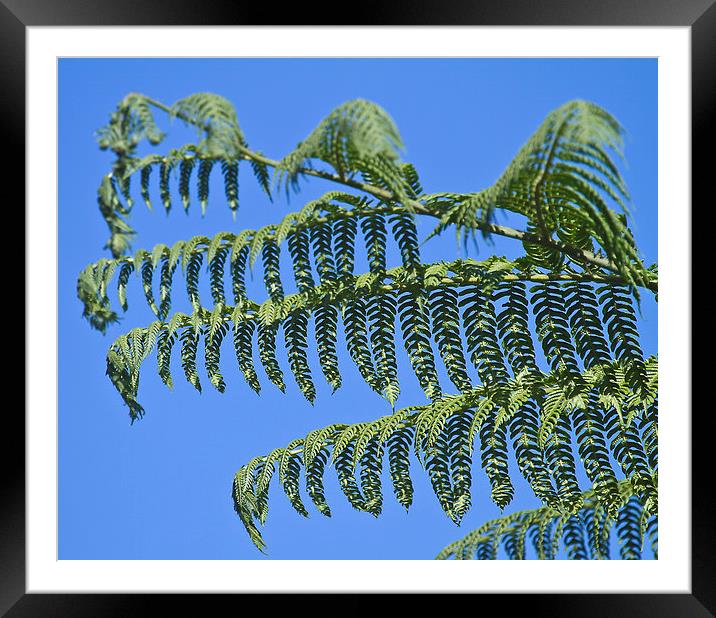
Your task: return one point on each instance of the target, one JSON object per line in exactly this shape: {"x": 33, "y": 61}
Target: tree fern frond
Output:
{"x": 131, "y": 122}
{"x": 220, "y": 139}
{"x": 326, "y": 221}
{"x": 368, "y": 307}
{"x": 216, "y": 122}
{"x": 356, "y": 137}
{"x": 332, "y": 230}
{"x": 588, "y": 393}
{"x": 580, "y": 535}
{"x": 442, "y": 434}
{"x": 560, "y": 180}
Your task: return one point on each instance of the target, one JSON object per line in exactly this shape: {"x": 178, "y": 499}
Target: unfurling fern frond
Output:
{"x": 561, "y": 180}
{"x": 549, "y": 530}
{"x": 221, "y": 140}
{"x": 442, "y": 435}
{"x": 216, "y": 122}
{"x": 129, "y": 124}
{"x": 356, "y": 137}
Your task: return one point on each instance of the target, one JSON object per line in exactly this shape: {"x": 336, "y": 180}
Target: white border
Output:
{"x": 671, "y": 573}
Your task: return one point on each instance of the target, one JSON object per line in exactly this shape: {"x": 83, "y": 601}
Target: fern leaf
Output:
{"x": 356, "y": 325}
{"x": 230, "y": 170}
{"x": 398, "y": 445}
{"x": 243, "y": 337}
{"x": 481, "y": 334}
{"x": 406, "y": 236}
{"x": 553, "y": 328}
{"x": 190, "y": 342}
{"x": 446, "y": 330}
{"x": 620, "y": 320}
{"x": 295, "y": 328}
{"x": 381, "y": 313}
{"x": 513, "y": 326}
{"x": 289, "y": 469}
{"x": 583, "y": 535}
{"x": 558, "y": 452}
{"x": 214, "y": 336}
{"x": 413, "y": 312}
{"x": 356, "y": 137}
{"x": 493, "y": 447}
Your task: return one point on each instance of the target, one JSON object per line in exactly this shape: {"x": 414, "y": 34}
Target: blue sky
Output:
{"x": 160, "y": 489}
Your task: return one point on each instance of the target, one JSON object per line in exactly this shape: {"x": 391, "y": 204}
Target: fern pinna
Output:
{"x": 542, "y": 351}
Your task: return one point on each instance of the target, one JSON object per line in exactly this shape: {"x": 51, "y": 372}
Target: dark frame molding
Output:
{"x": 700, "y": 15}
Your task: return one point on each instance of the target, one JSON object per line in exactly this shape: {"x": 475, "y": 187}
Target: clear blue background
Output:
{"x": 160, "y": 489}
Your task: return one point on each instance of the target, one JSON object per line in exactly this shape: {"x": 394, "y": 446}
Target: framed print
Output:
{"x": 458, "y": 243}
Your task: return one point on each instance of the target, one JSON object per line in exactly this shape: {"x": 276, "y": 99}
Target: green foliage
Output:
{"x": 543, "y": 349}
{"x": 356, "y": 137}
{"x": 132, "y": 122}
{"x": 561, "y": 180}
{"x": 220, "y": 139}
{"x": 584, "y": 535}
{"x": 442, "y": 434}
{"x": 368, "y": 305}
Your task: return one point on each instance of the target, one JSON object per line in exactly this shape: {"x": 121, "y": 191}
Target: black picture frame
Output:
{"x": 699, "y": 15}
